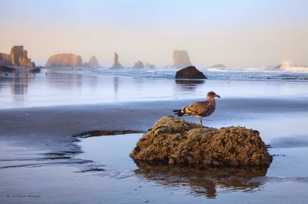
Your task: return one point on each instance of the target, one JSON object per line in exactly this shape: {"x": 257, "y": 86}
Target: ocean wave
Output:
{"x": 247, "y": 74}
{"x": 289, "y": 142}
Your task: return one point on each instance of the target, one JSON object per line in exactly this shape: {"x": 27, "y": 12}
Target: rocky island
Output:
{"x": 92, "y": 63}
{"x": 64, "y": 60}
{"x": 17, "y": 57}
{"x": 16, "y": 62}
{"x": 174, "y": 142}
{"x": 286, "y": 66}
{"x": 190, "y": 72}
{"x": 138, "y": 65}
{"x": 218, "y": 66}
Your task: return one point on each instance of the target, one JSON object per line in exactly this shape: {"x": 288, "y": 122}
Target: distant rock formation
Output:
{"x": 17, "y": 57}
{"x": 149, "y": 65}
{"x": 64, "y": 60}
{"x": 93, "y": 62}
{"x": 5, "y": 59}
{"x": 181, "y": 58}
{"x": 286, "y": 66}
{"x": 218, "y": 66}
{"x": 138, "y": 65}
{"x": 190, "y": 72}
{"x": 116, "y": 63}
{"x": 174, "y": 142}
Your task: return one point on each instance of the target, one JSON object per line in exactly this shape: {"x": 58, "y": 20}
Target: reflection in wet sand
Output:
{"x": 188, "y": 84}
{"x": 116, "y": 87}
{"x": 17, "y": 84}
{"x": 20, "y": 85}
{"x": 203, "y": 182}
{"x": 61, "y": 80}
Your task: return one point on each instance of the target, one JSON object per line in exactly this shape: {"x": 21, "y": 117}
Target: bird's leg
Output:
{"x": 201, "y": 122}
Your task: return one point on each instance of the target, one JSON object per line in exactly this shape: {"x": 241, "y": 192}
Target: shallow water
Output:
{"x": 105, "y": 173}
{"x": 72, "y": 87}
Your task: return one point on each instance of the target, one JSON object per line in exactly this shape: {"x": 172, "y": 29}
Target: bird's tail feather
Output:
{"x": 178, "y": 112}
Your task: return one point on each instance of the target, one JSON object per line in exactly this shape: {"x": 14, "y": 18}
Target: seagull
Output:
{"x": 200, "y": 109}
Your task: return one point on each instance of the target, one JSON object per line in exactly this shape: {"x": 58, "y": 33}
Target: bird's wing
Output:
{"x": 197, "y": 108}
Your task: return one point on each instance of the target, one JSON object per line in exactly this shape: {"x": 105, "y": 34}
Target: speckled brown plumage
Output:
{"x": 199, "y": 109}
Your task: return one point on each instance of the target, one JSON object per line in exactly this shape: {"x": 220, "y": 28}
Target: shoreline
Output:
{"x": 131, "y": 114}
{"x": 53, "y": 127}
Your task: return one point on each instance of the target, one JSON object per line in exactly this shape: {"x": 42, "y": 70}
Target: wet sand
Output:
{"x": 40, "y": 161}
{"x": 49, "y": 127}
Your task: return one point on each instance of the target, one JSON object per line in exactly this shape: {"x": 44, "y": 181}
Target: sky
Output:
{"x": 231, "y": 32}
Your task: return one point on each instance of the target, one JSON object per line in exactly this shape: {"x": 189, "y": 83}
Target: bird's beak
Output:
{"x": 217, "y": 96}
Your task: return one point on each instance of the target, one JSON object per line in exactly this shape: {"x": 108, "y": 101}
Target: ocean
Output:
{"x": 55, "y": 87}
{"x": 41, "y": 162}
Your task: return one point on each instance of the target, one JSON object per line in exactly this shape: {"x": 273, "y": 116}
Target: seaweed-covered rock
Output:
{"x": 175, "y": 142}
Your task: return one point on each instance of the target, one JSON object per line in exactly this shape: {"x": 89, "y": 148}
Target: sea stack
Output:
{"x": 64, "y": 60}
{"x": 181, "y": 58}
{"x": 17, "y": 57}
{"x": 93, "y": 62}
{"x": 149, "y": 65}
{"x": 284, "y": 66}
{"x": 218, "y": 66}
{"x": 5, "y": 59}
{"x": 116, "y": 63}
{"x": 138, "y": 65}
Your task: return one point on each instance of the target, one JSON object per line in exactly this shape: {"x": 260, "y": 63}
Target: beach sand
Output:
{"x": 41, "y": 161}
{"x": 57, "y": 124}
